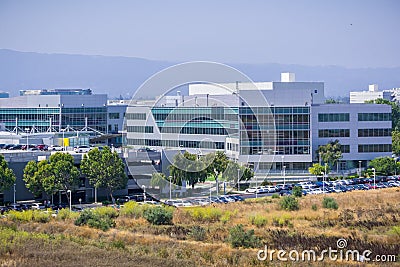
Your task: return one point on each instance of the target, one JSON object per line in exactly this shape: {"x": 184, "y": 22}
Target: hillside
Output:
{"x": 121, "y": 76}
{"x": 203, "y": 236}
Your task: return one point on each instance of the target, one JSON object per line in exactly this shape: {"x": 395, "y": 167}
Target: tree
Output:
{"x": 32, "y": 181}
{"x": 396, "y": 142}
{"x": 50, "y": 176}
{"x": 158, "y": 179}
{"x": 188, "y": 167}
{"x": 330, "y": 153}
{"x": 7, "y": 176}
{"x": 217, "y": 163}
{"x": 383, "y": 165}
{"x": 105, "y": 169}
{"x": 317, "y": 169}
{"x": 231, "y": 172}
{"x": 395, "y": 111}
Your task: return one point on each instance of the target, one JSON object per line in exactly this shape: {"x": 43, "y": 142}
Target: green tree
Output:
{"x": 188, "y": 167}
{"x": 317, "y": 169}
{"x": 217, "y": 163}
{"x": 32, "y": 181}
{"x": 395, "y": 111}
{"x": 330, "y": 153}
{"x": 158, "y": 179}
{"x": 383, "y": 165}
{"x": 396, "y": 142}
{"x": 7, "y": 176}
{"x": 105, "y": 169}
{"x": 49, "y": 176}
{"x": 231, "y": 172}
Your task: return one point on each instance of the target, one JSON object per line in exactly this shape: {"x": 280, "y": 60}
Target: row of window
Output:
{"x": 136, "y": 116}
{"x": 140, "y": 129}
{"x": 232, "y": 146}
{"x": 113, "y": 116}
{"x": 274, "y": 110}
{"x": 193, "y": 130}
{"x": 176, "y": 143}
{"x": 332, "y": 117}
{"x": 374, "y": 132}
{"x": 323, "y": 133}
{"x": 370, "y": 148}
{"x": 337, "y": 117}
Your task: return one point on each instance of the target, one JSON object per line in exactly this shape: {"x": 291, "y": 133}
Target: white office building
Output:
{"x": 266, "y": 124}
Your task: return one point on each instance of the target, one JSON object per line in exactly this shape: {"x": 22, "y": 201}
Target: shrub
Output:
{"x": 238, "y": 237}
{"x": 94, "y": 219}
{"x": 282, "y": 221}
{"x": 158, "y": 215}
{"x": 29, "y": 215}
{"x": 289, "y": 203}
{"x": 258, "y": 220}
{"x": 133, "y": 209}
{"x": 109, "y": 212}
{"x": 297, "y": 191}
{"x": 198, "y": 233}
{"x": 65, "y": 214}
{"x": 205, "y": 214}
{"x": 275, "y": 195}
{"x": 314, "y": 207}
{"x": 329, "y": 203}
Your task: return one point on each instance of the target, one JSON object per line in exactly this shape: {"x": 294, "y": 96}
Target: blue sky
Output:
{"x": 350, "y": 33}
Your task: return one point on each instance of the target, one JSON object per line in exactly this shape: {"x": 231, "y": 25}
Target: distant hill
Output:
{"x": 121, "y": 76}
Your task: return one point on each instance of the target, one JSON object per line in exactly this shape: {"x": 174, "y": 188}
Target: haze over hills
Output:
{"x": 121, "y": 76}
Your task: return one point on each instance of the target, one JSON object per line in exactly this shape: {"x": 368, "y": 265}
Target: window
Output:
{"x": 373, "y": 148}
{"x": 332, "y": 117}
{"x": 345, "y": 148}
{"x": 333, "y": 133}
{"x": 138, "y": 129}
{"x": 374, "y": 132}
{"x": 374, "y": 116}
{"x": 113, "y": 116}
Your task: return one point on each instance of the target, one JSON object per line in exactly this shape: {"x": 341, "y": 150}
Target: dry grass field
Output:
{"x": 199, "y": 236}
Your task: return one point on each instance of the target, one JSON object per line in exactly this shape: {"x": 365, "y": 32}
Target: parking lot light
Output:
{"x": 373, "y": 169}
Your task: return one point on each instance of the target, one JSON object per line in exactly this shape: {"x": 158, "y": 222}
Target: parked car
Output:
{"x": 82, "y": 149}
{"x": 270, "y": 189}
{"x": 254, "y": 190}
{"x": 15, "y": 147}
{"x": 55, "y": 148}
{"x": 3, "y": 209}
{"x": 41, "y": 147}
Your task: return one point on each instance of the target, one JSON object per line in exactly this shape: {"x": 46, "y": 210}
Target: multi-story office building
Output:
{"x": 55, "y": 109}
{"x": 268, "y": 125}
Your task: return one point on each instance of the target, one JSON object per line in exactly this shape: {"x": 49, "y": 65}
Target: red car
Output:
{"x": 41, "y": 147}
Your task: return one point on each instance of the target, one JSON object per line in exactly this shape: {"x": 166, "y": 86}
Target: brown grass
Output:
{"x": 365, "y": 219}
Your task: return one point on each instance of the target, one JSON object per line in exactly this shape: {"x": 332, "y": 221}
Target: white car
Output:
{"x": 55, "y": 148}
{"x": 82, "y": 149}
{"x": 254, "y": 190}
{"x": 270, "y": 189}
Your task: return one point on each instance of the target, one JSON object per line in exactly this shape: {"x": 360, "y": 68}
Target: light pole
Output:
{"x": 170, "y": 187}
{"x": 63, "y": 131}
{"x": 238, "y": 176}
{"x": 27, "y": 138}
{"x": 284, "y": 175}
{"x": 359, "y": 166}
{"x": 283, "y": 158}
{"x": 373, "y": 169}
{"x": 70, "y": 199}
{"x": 14, "y": 193}
{"x": 144, "y": 193}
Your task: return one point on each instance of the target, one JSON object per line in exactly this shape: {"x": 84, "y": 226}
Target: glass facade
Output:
{"x": 176, "y": 143}
{"x": 140, "y": 129}
{"x": 275, "y": 130}
{"x": 75, "y": 118}
{"x": 29, "y": 117}
{"x": 197, "y": 120}
{"x": 333, "y": 117}
{"x": 136, "y": 116}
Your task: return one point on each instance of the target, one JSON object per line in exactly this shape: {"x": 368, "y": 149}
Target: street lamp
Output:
{"x": 359, "y": 166}
{"x": 284, "y": 175}
{"x": 283, "y": 157}
{"x": 323, "y": 182}
{"x": 27, "y": 138}
{"x": 14, "y": 193}
{"x": 70, "y": 199}
{"x": 238, "y": 176}
{"x": 373, "y": 169}
{"x": 170, "y": 187}
{"x": 144, "y": 193}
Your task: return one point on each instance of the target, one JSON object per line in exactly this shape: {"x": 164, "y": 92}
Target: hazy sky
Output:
{"x": 361, "y": 33}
